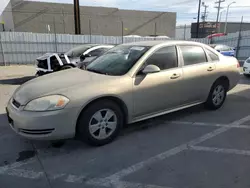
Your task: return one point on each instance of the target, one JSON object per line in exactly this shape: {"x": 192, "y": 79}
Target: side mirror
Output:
{"x": 151, "y": 69}
{"x": 83, "y": 56}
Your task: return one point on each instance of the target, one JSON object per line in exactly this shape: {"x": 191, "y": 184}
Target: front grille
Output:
{"x": 36, "y": 131}
{"x": 42, "y": 64}
{"x": 15, "y": 103}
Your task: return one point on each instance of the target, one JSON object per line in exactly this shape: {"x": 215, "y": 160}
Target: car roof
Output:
{"x": 157, "y": 42}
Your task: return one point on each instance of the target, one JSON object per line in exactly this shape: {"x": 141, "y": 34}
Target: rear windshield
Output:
{"x": 77, "y": 51}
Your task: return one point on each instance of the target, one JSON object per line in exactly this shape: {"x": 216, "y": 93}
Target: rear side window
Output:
{"x": 164, "y": 58}
{"x": 248, "y": 60}
{"x": 193, "y": 55}
{"x": 212, "y": 55}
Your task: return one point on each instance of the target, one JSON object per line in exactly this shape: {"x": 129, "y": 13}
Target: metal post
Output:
{"x": 122, "y": 30}
{"x": 77, "y": 17}
{"x": 64, "y": 29}
{"x": 54, "y": 22}
{"x": 89, "y": 30}
{"x": 155, "y": 29}
{"x": 2, "y": 49}
{"x": 225, "y": 27}
{"x": 3, "y": 27}
{"x": 198, "y": 20}
{"x": 239, "y": 38}
{"x": 185, "y": 31}
{"x": 220, "y": 20}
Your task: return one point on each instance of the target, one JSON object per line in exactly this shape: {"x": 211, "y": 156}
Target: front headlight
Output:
{"x": 47, "y": 103}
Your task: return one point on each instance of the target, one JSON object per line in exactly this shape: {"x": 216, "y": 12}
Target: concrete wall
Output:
{"x": 7, "y": 18}
{"x": 36, "y": 16}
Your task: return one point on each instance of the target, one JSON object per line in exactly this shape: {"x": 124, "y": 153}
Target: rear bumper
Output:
{"x": 52, "y": 125}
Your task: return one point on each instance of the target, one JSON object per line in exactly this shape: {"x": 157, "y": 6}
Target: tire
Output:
{"x": 247, "y": 75}
{"x": 217, "y": 95}
{"x": 65, "y": 67}
{"x": 101, "y": 132}
{"x": 38, "y": 73}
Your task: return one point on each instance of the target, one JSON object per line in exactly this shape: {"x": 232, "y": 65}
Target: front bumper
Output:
{"x": 246, "y": 70}
{"x": 51, "y": 125}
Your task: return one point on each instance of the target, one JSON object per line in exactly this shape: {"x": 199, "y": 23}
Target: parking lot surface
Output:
{"x": 192, "y": 148}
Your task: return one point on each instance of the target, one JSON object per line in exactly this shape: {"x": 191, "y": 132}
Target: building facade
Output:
{"x": 42, "y": 17}
{"x": 208, "y": 28}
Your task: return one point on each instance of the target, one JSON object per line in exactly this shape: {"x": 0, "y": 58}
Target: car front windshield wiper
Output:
{"x": 96, "y": 71}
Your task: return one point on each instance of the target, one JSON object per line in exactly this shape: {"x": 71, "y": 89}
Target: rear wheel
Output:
{"x": 100, "y": 123}
{"x": 217, "y": 95}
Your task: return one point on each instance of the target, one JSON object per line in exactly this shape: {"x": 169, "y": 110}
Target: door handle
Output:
{"x": 174, "y": 76}
{"x": 210, "y": 69}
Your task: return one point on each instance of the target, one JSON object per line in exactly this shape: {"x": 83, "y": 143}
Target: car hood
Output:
{"x": 52, "y": 83}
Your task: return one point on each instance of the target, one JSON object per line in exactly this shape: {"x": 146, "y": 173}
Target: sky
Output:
{"x": 186, "y": 9}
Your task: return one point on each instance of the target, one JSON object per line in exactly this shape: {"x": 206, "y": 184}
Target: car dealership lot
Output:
{"x": 190, "y": 148}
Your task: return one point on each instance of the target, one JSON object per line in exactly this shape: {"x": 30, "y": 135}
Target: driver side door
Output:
{"x": 157, "y": 92}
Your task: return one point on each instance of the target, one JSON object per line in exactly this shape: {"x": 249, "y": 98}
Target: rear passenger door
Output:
{"x": 199, "y": 73}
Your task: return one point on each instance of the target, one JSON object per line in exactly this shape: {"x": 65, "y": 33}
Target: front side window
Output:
{"x": 164, "y": 58}
{"x": 118, "y": 61}
{"x": 193, "y": 55}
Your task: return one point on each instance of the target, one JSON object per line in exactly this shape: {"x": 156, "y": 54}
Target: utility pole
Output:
{"x": 198, "y": 20}
{"x": 77, "y": 17}
{"x": 218, "y": 11}
{"x": 204, "y": 16}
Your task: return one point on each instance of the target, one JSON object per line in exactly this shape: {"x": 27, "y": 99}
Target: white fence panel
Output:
{"x": 24, "y": 48}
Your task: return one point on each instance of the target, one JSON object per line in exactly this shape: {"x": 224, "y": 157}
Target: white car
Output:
{"x": 246, "y": 68}
{"x": 79, "y": 56}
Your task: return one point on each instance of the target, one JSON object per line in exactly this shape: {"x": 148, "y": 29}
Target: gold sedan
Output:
{"x": 129, "y": 83}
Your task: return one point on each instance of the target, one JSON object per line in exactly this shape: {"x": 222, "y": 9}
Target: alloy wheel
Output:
{"x": 102, "y": 124}
{"x": 218, "y": 95}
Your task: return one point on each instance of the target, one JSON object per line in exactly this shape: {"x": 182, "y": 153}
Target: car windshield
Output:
{"x": 118, "y": 61}
{"x": 77, "y": 51}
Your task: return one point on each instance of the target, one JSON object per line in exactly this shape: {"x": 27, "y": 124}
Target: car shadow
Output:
{"x": 71, "y": 145}
{"x": 16, "y": 81}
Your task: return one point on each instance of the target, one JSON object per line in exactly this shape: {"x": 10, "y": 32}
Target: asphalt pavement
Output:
{"x": 192, "y": 148}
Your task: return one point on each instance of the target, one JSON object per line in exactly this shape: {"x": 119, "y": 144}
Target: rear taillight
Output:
{"x": 238, "y": 64}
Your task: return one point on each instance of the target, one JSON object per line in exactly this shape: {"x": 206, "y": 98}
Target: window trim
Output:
{"x": 208, "y": 57}
{"x": 177, "y": 55}
{"x": 182, "y": 59}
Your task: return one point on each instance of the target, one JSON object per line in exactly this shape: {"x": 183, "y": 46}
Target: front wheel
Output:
{"x": 100, "y": 123}
{"x": 216, "y": 96}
